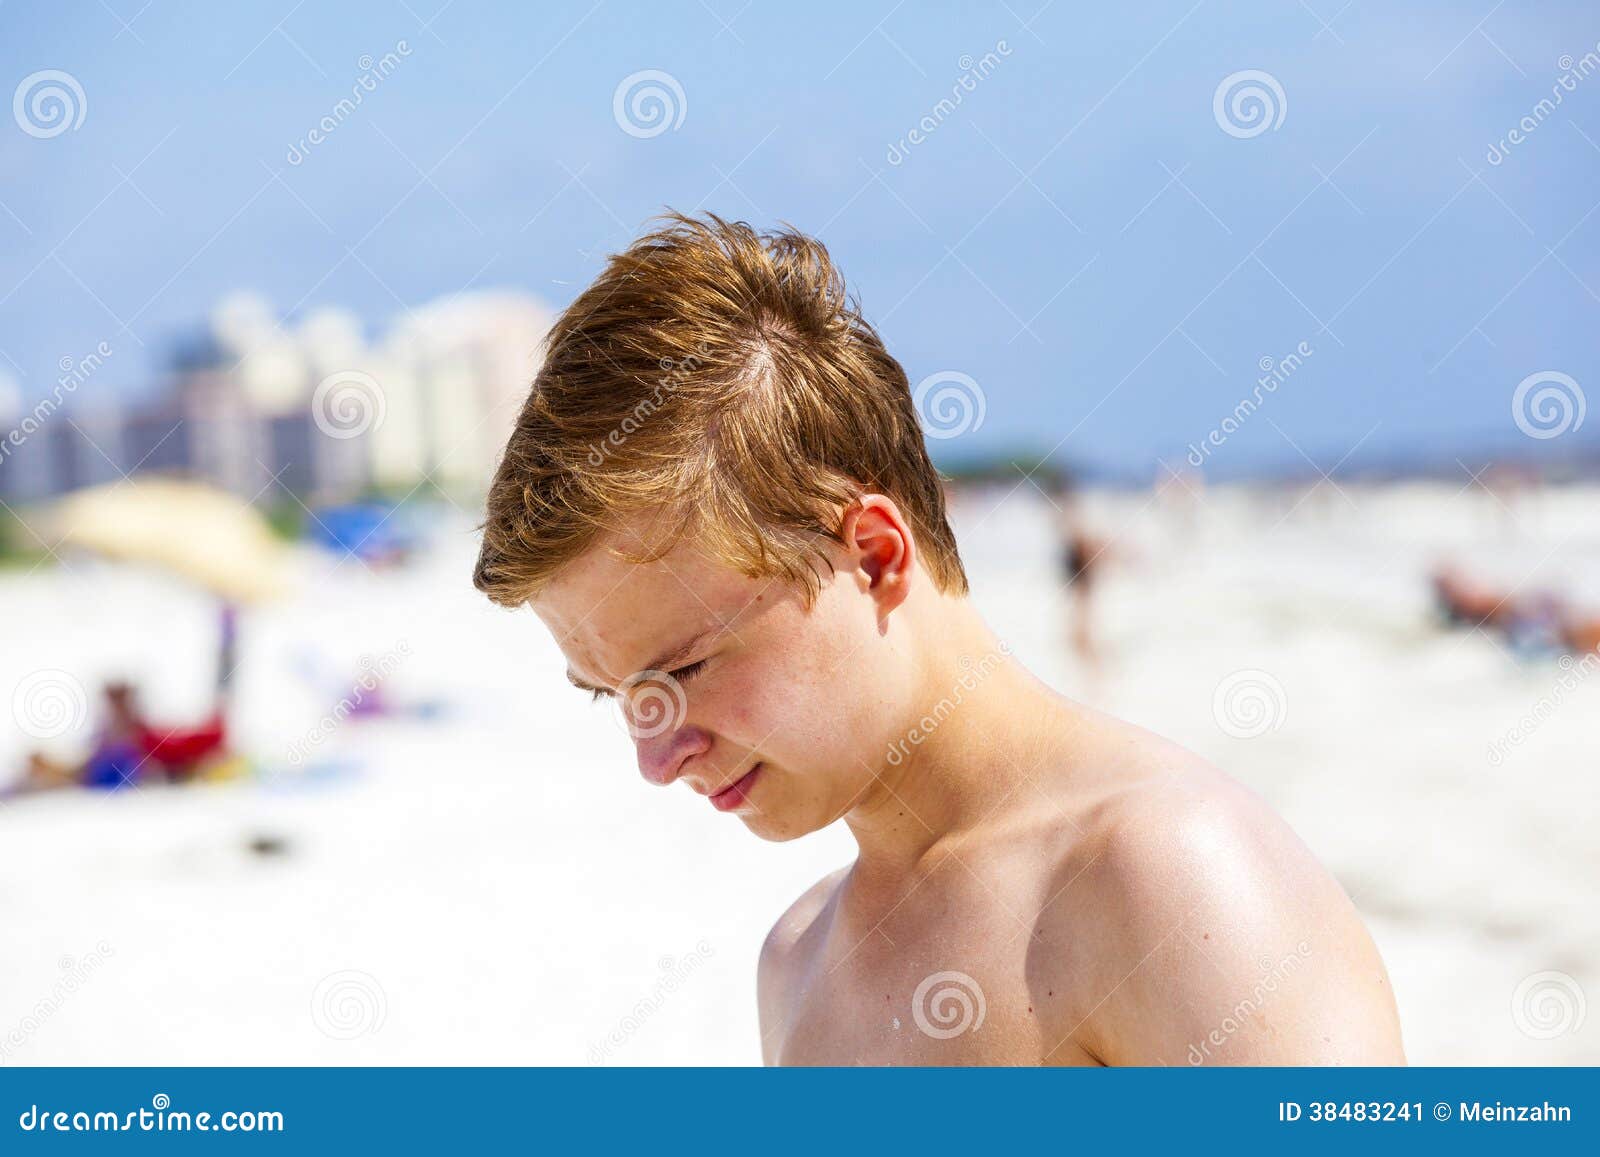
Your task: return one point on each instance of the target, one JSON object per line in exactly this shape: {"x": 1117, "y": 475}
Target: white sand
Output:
{"x": 508, "y": 889}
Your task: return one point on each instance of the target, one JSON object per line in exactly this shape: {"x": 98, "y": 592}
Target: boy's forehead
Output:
{"x": 610, "y": 615}
{"x": 599, "y": 579}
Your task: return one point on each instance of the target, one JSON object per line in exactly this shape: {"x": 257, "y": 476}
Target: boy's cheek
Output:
{"x": 770, "y": 721}
{"x": 741, "y": 716}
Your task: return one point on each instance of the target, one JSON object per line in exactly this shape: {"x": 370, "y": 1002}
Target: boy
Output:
{"x": 718, "y": 499}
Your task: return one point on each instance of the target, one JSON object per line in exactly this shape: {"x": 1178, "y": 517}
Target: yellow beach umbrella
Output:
{"x": 204, "y": 534}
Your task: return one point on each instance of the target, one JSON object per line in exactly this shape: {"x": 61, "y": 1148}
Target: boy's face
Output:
{"x": 719, "y": 675}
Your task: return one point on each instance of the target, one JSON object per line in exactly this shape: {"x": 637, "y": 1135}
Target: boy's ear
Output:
{"x": 883, "y": 548}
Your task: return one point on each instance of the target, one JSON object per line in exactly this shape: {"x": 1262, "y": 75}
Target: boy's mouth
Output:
{"x": 733, "y": 797}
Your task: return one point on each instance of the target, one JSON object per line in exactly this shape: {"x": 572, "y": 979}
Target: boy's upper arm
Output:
{"x": 768, "y": 1000}
{"x": 1229, "y": 944}
{"x": 777, "y": 961}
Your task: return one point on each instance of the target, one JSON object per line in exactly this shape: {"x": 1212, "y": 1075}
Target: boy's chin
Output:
{"x": 774, "y": 829}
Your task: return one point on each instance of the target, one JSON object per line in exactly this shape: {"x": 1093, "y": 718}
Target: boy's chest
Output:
{"x": 970, "y": 987}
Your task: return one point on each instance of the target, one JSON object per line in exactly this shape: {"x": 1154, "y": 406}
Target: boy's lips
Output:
{"x": 733, "y": 797}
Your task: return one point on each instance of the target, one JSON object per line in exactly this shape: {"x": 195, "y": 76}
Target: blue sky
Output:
{"x": 1081, "y": 236}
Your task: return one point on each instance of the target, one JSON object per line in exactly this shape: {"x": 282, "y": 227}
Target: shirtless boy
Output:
{"x": 718, "y": 499}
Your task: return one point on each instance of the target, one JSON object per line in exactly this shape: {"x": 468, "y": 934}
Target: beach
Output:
{"x": 493, "y": 882}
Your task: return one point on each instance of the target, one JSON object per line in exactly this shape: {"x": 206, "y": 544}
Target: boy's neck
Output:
{"x": 977, "y": 730}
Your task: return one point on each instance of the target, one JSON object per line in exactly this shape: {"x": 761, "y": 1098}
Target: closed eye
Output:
{"x": 684, "y": 674}
{"x": 681, "y": 675}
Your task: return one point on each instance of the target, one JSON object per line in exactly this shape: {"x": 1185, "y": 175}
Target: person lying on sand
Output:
{"x": 1581, "y": 634}
{"x": 1532, "y": 620}
{"x": 718, "y": 500}
{"x": 116, "y": 758}
{"x": 129, "y": 749}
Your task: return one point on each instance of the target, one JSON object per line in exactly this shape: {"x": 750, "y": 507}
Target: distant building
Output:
{"x": 255, "y": 405}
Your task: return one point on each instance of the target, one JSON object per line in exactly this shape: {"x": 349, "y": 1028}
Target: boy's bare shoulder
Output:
{"x": 798, "y": 919}
{"x": 779, "y": 957}
{"x": 1210, "y": 918}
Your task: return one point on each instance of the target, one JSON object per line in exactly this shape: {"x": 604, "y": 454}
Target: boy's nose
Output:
{"x": 661, "y": 757}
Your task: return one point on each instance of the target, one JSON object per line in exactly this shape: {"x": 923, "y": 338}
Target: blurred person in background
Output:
{"x": 130, "y": 749}
{"x": 1082, "y": 555}
{"x": 1531, "y": 621}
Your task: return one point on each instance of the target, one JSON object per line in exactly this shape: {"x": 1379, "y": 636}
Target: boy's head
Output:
{"x": 718, "y": 451}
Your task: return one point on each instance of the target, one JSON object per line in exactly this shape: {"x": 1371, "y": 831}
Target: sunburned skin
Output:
{"x": 1036, "y": 882}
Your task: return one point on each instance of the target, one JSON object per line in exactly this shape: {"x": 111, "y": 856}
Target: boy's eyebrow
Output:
{"x": 663, "y": 662}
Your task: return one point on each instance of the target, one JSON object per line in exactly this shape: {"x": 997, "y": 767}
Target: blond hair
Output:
{"x": 724, "y": 377}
